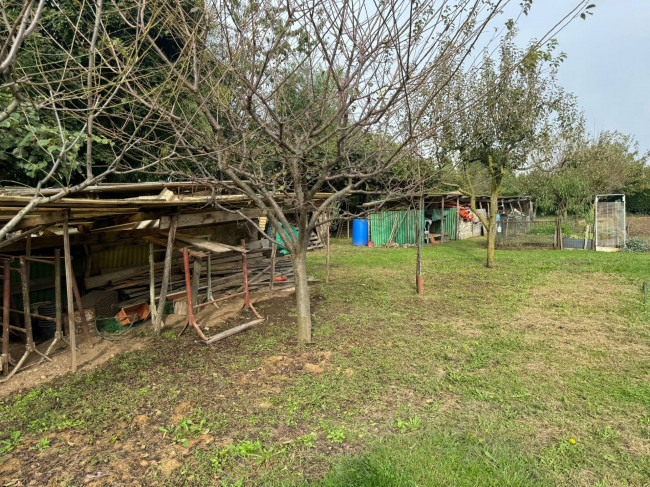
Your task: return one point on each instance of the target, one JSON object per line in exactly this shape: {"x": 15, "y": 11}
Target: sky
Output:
{"x": 608, "y": 61}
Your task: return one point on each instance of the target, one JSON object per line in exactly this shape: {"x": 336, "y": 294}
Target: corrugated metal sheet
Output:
{"x": 122, "y": 256}
{"x": 402, "y": 225}
{"x": 41, "y": 277}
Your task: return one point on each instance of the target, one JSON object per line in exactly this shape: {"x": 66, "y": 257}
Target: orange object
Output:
{"x": 279, "y": 278}
{"x": 132, "y": 313}
{"x": 371, "y": 243}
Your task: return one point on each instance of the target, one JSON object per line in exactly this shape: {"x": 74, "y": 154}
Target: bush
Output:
{"x": 639, "y": 202}
{"x": 636, "y": 244}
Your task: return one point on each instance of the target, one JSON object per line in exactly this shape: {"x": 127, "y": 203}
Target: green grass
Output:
{"x": 535, "y": 373}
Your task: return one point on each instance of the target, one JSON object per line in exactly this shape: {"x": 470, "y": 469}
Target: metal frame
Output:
{"x": 191, "y": 318}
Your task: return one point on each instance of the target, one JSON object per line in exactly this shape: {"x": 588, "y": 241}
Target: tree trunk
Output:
{"x": 492, "y": 225}
{"x": 303, "y": 306}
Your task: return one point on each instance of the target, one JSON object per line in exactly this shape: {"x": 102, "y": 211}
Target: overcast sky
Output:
{"x": 608, "y": 61}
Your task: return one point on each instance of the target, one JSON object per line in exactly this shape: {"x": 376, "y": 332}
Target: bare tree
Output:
{"x": 285, "y": 100}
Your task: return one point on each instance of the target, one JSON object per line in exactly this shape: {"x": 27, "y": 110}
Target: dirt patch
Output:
{"x": 35, "y": 372}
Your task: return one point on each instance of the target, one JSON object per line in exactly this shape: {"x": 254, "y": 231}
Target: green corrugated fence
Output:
{"x": 402, "y": 225}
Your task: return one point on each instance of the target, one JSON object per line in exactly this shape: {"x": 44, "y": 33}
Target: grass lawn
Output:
{"x": 532, "y": 374}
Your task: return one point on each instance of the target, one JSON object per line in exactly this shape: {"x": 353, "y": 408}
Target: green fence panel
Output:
{"x": 402, "y": 225}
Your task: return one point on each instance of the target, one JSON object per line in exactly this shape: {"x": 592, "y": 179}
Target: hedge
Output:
{"x": 638, "y": 202}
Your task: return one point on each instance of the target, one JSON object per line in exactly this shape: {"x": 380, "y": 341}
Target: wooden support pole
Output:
{"x": 209, "y": 296}
{"x": 5, "y": 317}
{"x": 442, "y": 220}
{"x": 171, "y": 236}
{"x": 327, "y": 254}
{"x": 274, "y": 251}
{"x": 57, "y": 294}
{"x": 457, "y": 218}
{"x": 152, "y": 286}
{"x": 24, "y": 280}
{"x": 196, "y": 275}
{"x": 69, "y": 277}
{"x": 85, "y": 326}
{"x": 58, "y": 331}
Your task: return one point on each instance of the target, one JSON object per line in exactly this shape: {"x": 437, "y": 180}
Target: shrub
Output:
{"x": 636, "y": 244}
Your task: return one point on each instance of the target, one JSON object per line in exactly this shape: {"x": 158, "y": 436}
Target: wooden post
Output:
{"x": 327, "y": 255}
{"x": 58, "y": 334}
{"x": 645, "y": 292}
{"x": 586, "y": 245}
{"x": 196, "y": 275}
{"x": 442, "y": 220}
{"x": 348, "y": 228}
{"x": 457, "y": 218}
{"x": 274, "y": 250}
{"x": 419, "y": 284}
{"x": 85, "y": 326}
{"x": 152, "y": 286}
{"x": 68, "y": 287}
{"x": 27, "y": 312}
{"x": 209, "y": 296}
{"x": 5, "y": 317}
{"x": 171, "y": 236}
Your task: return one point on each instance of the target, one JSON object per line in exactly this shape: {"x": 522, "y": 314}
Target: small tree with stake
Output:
{"x": 519, "y": 108}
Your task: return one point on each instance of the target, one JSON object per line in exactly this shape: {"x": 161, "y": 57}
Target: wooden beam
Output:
{"x": 34, "y": 220}
{"x": 209, "y": 218}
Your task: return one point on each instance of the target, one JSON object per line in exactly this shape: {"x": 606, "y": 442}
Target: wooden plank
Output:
{"x": 68, "y": 285}
{"x": 208, "y": 245}
{"x": 41, "y": 219}
{"x": 209, "y": 218}
{"x": 232, "y": 331}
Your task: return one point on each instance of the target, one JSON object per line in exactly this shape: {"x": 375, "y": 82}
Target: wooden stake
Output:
{"x": 69, "y": 277}
{"x": 645, "y": 292}
{"x": 457, "y": 218}
{"x": 171, "y": 236}
{"x": 327, "y": 255}
{"x": 586, "y": 237}
{"x": 152, "y": 286}
{"x": 442, "y": 220}
{"x": 274, "y": 250}
{"x": 5, "y": 318}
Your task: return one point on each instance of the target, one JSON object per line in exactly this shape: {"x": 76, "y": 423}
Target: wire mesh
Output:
{"x": 610, "y": 221}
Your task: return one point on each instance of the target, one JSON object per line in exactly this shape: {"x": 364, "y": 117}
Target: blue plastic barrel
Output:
{"x": 360, "y": 232}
